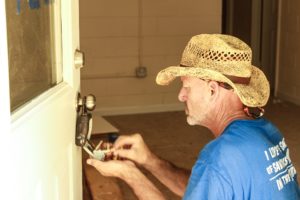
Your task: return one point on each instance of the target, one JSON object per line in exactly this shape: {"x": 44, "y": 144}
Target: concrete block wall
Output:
{"x": 289, "y": 52}
{"x": 117, "y": 36}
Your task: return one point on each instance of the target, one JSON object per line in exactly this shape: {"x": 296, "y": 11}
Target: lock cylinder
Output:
{"x": 90, "y": 102}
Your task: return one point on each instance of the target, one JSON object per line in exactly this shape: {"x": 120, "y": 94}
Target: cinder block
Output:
{"x": 129, "y": 100}
{"x": 172, "y": 60}
{"x": 164, "y": 45}
{"x": 110, "y": 67}
{"x": 200, "y": 8}
{"x": 106, "y": 8}
{"x": 94, "y": 86}
{"x": 149, "y": 26}
{"x": 171, "y": 98}
{"x": 157, "y": 63}
{"x": 109, "y": 46}
{"x": 188, "y": 25}
{"x": 108, "y": 27}
{"x": 133, "y": 86}
{"x": 159, "y": 8}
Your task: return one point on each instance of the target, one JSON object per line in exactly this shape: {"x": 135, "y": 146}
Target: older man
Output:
{"x": 224, "y": 92}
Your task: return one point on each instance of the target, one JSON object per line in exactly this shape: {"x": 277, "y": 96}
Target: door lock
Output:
{"x": 84, "y": 121}
{"x": 87, "y": 103}
{"x": 84, "y": 124}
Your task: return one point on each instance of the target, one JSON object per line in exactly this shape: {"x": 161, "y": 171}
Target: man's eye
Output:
{"x": 186, "y": 88}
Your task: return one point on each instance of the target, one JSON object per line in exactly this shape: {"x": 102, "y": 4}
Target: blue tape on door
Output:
{"x": 34, "y": 4}
{"x": 18, "y": 7}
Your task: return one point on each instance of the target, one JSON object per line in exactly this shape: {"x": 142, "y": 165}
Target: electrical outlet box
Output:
{"x": 141, "y": 72}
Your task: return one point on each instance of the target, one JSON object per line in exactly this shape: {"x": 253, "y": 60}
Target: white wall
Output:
{"x": 117, "y": 36}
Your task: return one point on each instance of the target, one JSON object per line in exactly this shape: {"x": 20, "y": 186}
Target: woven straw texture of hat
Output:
{"x": 216, "y": 57}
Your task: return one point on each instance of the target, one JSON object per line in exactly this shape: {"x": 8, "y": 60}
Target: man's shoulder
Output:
{"x": 242, "y": 132}
{"x": 241, "y": 138}
{"x": 260, "y": 124}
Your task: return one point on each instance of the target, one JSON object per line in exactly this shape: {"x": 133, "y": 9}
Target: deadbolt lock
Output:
{"x": 84, "y": 106}
{"x": 86, "y": 103}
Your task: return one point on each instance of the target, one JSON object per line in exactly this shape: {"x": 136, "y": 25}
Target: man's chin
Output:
{"x": 191, "y": 121}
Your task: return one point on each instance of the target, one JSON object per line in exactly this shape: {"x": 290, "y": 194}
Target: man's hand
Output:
{"x": 127, "y": 171}
{"x": 133, "y": 148}
{"x": 113, "y": 168}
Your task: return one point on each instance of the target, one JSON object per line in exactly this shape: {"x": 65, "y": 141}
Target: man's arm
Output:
{"x": 136, "y": 150}
{"x": 127, "y": 171}
{"x": 143, "y": 188}
{"x": 173, "y": 177}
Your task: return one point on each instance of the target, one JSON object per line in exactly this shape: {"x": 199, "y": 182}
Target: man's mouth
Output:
{"x": 186, "y": 110}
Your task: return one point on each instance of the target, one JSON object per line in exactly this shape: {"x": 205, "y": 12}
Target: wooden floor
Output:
{"x": 168, "y": 135}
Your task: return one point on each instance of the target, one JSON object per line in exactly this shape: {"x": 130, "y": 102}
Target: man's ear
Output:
{"x": 214, "y": 88}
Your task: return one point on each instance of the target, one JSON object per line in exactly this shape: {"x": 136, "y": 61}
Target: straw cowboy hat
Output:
{"x": 225, "y": 59}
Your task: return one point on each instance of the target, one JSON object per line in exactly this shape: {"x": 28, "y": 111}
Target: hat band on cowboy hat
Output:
{"x": 234, "y": 79}
{"x": 221, "y": 58}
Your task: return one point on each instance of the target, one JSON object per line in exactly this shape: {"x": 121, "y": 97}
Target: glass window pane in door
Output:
{"x": 34, "y": 48}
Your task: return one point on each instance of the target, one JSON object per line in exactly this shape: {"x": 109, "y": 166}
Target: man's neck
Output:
{"x": 220, "y": 122}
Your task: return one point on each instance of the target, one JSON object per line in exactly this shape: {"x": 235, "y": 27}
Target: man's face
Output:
{"x": 195, "y": 94}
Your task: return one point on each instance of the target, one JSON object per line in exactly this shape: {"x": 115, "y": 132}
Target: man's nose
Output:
{"x": 182, "y": 95}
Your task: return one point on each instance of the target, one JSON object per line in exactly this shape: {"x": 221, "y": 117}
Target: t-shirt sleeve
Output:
{"x": 207, "y": 183}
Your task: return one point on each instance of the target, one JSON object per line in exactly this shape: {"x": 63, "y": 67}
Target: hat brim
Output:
{"x": 254, "y": 94}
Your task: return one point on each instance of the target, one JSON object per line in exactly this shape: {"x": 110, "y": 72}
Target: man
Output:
{"x": 222, "y": 91}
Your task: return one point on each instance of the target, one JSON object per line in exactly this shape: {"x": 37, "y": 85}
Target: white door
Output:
{"x": 39, "y": 158}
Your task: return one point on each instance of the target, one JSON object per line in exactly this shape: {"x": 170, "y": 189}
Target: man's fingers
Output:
{"x": 121, "y": 141}
{"x": 125, "y": 153}
{"x": 94, "y": 162}
{"x": 124, "y": 140}
{"x": 113, "y": 168}
{"x": 90, "y": 161}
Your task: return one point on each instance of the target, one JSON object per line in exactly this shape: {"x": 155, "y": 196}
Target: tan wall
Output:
{"x": 289, "y": 52}
{"x": 117, "y": 36}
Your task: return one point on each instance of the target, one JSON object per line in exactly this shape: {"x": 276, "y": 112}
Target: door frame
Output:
{"x": 263, "y": 34}
{"x": 4, "y": 74}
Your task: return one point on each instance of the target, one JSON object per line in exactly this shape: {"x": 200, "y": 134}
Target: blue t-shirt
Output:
{"x": 250, "y": 160}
